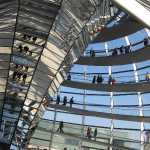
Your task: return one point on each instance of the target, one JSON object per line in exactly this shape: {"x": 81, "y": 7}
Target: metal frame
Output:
{"x": 10, "y": 59}
{"x": 31, "y": 78}
{"x": 111, "y": 99}
{"x": 140, "y": 101}
{"x": 61, "y": 66}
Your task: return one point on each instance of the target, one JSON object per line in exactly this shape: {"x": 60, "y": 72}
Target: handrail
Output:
{"x": 98, "y": 137}
{"x": 105, "y": 79}
{"x": 113, "y": 72}
{"x": 106, "y": 115}
{"x": 125, "y": 107}
{"x": 106, "y": 109}
{"x": 110, "y": 50}
{"x": 93, "y": 126}
{"x": 101, "y": 94}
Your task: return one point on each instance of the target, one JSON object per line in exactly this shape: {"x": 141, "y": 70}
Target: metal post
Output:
{"x": 139, "y": 100}
{"x": 53, "y": 129}
{"x": 111, "y": 100}
{"x": 84, "y": 108}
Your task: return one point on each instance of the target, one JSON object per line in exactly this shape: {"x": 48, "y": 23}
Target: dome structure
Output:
{"x": 74, "y": 74}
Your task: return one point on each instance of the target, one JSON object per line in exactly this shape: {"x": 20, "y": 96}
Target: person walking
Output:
{"x": 60, "y": 128}
{"x": 24, "y": 78}
{"x": 65, "y": 100}
{"x": 88, "y": 134}
{"x": 145, "y": 41}
{"x": 99, "y": 79}
{"x": 71, "y": 102}
{"x": 95, "y": 133}
{"x": 94, "y": 79}
{"x": 69, "y": 77}
{"x": 121, "y": 50}
{"x": 58, "y": 99}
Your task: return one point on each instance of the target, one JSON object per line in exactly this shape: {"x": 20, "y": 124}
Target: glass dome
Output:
{"x": 74, "y": 74}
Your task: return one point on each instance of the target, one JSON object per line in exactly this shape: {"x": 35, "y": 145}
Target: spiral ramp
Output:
{"x": 39, "y": 43}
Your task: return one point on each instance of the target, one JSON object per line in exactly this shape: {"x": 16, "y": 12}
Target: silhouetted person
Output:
{"x": 127, "y": 49}
{"x": 15, "y": 74}
{"x": 94, "y": 79}
{"x": 58, "y": 99}
{"x": 60, "y": 128}
{"x": 147, "y": 76}
{"x": 26, "y": 68}
{"x": 93, "y": 54}
{"x": 90, "y": 52}
{"x": 34, "y": 39}
{"x": 95, "y": 133}
{"x": 24, "y": 77}
{"x": 16, "y": 67}
{"x": 20, "y": 48}
{"x": 69, "y": 77}
{"x": 24, "y": 36}
{"x": 88, "y": 134}
{"x": 121, "y": 49}
{"x": 114, "y": 53}
{"x": 145, "y": 41}
{"x": 29, "y": 37}
{"x": 65, "y": 100}
{"x": 99, "y": 79}
{"x": 71, "y": 102}
{"x": 110, "y": 79}
{"x": 19, "y": 74}
{"x": 26, "y": 48}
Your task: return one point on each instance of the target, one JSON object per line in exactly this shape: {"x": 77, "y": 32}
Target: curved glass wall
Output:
{"x": 39, "y": 41}
{"x": 112, "y": 133}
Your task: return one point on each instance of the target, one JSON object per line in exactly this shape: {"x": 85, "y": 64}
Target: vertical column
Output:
{"x": 139, "y": 100}
{"x": 53, "y": 129}
{"x": 111, "y": 100}
{"x": 84, "y": 107}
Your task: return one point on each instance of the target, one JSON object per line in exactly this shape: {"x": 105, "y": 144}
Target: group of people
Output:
{"x": 89, "y": 133}
{"x": 121, "y": 50}
{"x": 65, "y": 100}
{"x": 116, "y": 51}
{"x": 20, "y": 73}
{"x": 25, "y": 50}
{"x": 92, "y": 53}
{"x": 99, "y": 79}
{"x": 96, "y": 29}
{"x": 29, "y": 37}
